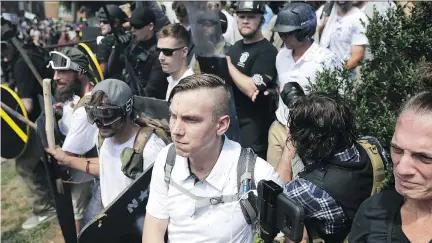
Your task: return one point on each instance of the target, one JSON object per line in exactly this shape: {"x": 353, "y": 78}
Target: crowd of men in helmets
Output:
{"x": 266, "y": 107}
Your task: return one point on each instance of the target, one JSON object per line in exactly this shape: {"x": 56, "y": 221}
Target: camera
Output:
{"x": 278, "y": 213}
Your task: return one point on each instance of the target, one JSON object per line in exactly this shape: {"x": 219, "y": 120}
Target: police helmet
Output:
{"x": 297, "y": 16}
{"x": 114, "y": 11}
{"x": 251, "y": 7}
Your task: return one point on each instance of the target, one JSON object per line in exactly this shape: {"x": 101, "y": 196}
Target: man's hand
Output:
{"x": 58, "y": 108}
{"x": 58, "y": 154}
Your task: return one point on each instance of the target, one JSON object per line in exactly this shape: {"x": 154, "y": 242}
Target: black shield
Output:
{"x": 14, "y": 132}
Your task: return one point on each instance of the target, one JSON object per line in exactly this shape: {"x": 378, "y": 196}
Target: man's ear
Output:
{"x": 151, "y": 26}
{"x": 223, "y": 124}
{"x": 185, "y": 51}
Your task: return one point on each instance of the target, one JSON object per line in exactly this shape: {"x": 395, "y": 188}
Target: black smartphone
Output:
{"x": 279, "y": 213}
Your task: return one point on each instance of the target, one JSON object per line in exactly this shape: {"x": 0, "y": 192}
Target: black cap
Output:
{"x": 114, "y": 11}
{"x": 251, "y": 7}
{"x": 142, "y": 17}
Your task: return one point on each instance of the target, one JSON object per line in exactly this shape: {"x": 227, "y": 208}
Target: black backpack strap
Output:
{"x": 246, "y": 182}
{"x": 169, "y": 164}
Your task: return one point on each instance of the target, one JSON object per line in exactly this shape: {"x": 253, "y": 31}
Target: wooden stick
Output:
{"x": 49, "y": 124}
{"x": 27, "y": 60}
{"x": 18, "y": 115}
{"x": 49, "y": 113}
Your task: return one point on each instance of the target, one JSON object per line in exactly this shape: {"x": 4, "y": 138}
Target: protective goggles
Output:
{"x": 60, "y": 61}
{"x": 104, "y": 115}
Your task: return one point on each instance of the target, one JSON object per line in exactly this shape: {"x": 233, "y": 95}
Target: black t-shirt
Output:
{"x": 27, "y": 84}
{"x": 378, "y": 220}
{"x": 255, "y": 60}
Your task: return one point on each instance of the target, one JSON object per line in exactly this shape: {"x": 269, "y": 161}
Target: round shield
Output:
{"x": 94, "y": 64}
{"x": 14, "y": 132}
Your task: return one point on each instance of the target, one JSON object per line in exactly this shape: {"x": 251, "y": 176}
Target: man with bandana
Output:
{"x": 251, "y": 64}
{"x": 72, "y": 87}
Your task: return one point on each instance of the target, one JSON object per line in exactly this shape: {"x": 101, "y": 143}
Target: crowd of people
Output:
{"x": 266, "y": 56}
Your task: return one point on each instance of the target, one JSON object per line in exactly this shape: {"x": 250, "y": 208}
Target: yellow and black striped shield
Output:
{"x": 94, "y": 64}
{"x": 14, "y": 133}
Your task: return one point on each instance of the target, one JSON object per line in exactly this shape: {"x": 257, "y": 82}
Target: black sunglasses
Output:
{"x": 286, "y": 34}
{"x": 137, "y": 26}
{"x": 104, "y": 21}
{"x": 168, "y": 51}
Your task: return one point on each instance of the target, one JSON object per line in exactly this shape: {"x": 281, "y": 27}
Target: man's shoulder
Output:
{"x": 265, "y": 171}
{"x": 380, "y": 202}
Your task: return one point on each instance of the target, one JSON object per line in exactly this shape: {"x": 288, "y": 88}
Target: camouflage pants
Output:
{"x": 31, "y": 169}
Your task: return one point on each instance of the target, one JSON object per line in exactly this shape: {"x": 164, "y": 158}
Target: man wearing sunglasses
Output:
{"x": 251, "y": 64}
{"x": 144, "y": 71}
{"x": 72, "y": 84}
{"x": 105, "y": 47}
{"x": 173, "y": 41}
{"x": 298, "y": 61}
{"x": 111, "y": 110}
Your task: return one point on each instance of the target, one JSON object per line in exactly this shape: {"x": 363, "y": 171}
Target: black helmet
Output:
{"x": 297, "y": 16}
{"x": 114, "y": 11}
{"x": 251, "y": 6}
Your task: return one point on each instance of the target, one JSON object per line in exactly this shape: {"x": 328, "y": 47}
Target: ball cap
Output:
{"x": 142, "y": 17}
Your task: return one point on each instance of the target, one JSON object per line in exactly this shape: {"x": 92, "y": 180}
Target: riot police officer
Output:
{"x": 144, "y": 73}
{"x": 105, "y": 47}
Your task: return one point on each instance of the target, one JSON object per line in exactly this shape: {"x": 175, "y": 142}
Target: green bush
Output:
{"x": 399, "y": 44}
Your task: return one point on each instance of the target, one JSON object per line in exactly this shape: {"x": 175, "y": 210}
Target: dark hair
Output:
{"x": 420, "y": 103}
{"x": 203, "y": 81}
{"x": 320, "y": 127}
{"x": 176, "y": 31}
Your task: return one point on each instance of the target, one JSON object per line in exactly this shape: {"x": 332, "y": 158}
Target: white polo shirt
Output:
{"x": 112, "y": 179}
{"x": 304, "y": 70}
{"x": 172, "y": 83}
{"x": 212, "y": 223}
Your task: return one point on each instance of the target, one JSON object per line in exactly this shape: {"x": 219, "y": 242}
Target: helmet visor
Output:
{"x": 104, "y": 115}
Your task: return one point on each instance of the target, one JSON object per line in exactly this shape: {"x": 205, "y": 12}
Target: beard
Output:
{"x": 68, "y": 92}
{"x": 251, "y": 34}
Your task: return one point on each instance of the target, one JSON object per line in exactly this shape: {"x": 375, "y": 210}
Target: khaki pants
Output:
{"x": 277, "y": 137}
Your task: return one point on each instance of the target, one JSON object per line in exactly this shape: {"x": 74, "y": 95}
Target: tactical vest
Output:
{"x": 348, "y": 185}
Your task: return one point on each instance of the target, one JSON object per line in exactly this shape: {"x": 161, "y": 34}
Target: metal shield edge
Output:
{"x": 21, "y": 105}
{"x": 94, "y": 60}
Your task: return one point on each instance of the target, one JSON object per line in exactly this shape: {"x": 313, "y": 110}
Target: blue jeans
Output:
{"x": 233, "y": 132}
{"x": 94, "y": 206}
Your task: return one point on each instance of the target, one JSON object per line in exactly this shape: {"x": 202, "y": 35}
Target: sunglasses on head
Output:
{"x": 168, "y": 51}
{"x": 286, "y": 34}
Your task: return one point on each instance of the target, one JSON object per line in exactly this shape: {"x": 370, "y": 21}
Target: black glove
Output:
{"x": 124, "y": 39}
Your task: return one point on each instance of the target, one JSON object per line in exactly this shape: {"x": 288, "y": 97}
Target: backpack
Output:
{"x": 131, "y": 158}
{"x": 245, "y": 182}
{"x": 377, "y": 163}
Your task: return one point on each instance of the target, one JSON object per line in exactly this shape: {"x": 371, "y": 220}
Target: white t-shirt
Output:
{"x": 112, "y": 179}
{"x": 79, "y": 137}
{"x": 172, "y": 83}
{"x": 346, "y": 32}
{"x": 210, "y": 223}
{"x": 303, "y": 71}
{"x": 64, "y": 122}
